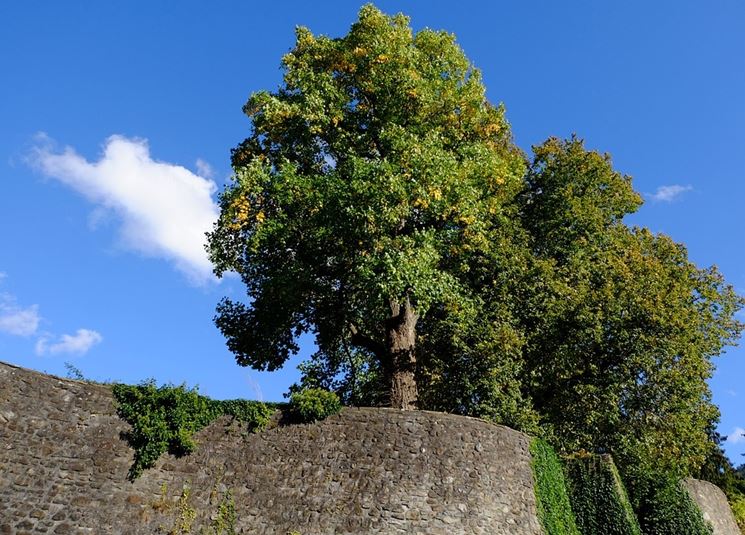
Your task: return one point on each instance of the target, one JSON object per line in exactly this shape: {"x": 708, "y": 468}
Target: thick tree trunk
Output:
{"x": 400, "y": 341}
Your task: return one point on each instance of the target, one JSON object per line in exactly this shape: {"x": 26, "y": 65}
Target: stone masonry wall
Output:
{"x": 713, "y": 504}
{"x": 63, "y": 469}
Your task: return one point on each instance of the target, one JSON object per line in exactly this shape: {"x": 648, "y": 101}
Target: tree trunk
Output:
{"x": 400, "y": 341}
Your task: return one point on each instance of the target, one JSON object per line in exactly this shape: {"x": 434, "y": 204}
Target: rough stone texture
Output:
{"x": 714, "y": 505}
{"x": 63, "y": 469}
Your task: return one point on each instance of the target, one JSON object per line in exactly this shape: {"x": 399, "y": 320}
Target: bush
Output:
{"x": 554, "y": 509}
{"x": 165, "y": 419}
{"x": 599, "y": 500}
{"x": 314, "y": 404}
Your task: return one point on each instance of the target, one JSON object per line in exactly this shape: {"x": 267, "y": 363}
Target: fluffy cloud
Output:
{"x": 737, "y": 436}
{"x": 164, "y": 208}
{"x": 669, "y": 193}
{"x": 75, "y": 344}
{"x": 17, "y": 320}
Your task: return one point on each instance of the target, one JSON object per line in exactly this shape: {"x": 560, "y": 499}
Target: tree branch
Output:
{"x": 365, "y": 342}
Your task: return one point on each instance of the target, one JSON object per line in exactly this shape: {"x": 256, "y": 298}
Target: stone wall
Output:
{"x": 713, "y": 504}
{"x": 63, "y": 469}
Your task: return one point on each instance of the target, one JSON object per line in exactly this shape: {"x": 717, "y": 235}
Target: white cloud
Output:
{"x": 77, "y": 344}
{"x": 669, "y": 193}
{"x": 16, "y": 320}
{"x": 204, "y": 169}
{"x": 737, "y": 436}
{"x": 164, "y": 208}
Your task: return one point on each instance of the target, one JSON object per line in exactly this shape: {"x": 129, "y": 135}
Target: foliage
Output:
{"x": 223, "y": 521}
{"x": 165, "y": 418}
{"x": 718, "y": 469}
{"x": 354, "y": 377}
{"x": 599, "y": 500}
{"x": 554, "y": 509}
{"x": 185, "y": 514}
{"x": 620, "y": 336}
{"x": 664, "y": 507}
{"x": 738, "y": 509}
{"x": 314, "y": 404}
{"x": 185, "y": 517}
{"x": 373, "y": 180}
{"x": 378, "y": 178}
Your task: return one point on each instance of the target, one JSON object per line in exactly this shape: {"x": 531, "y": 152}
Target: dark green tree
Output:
{"x": 372, "y": 180}
{"x": 620, "y": 345}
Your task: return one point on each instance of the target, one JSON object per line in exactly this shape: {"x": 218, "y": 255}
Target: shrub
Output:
{"x": 165, "y": 419}
{"x": 554, "y": 509}
{"x": 314, "y": 404}
{"x": 599, "y": 500}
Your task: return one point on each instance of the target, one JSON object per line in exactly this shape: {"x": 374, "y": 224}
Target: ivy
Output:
{"x": 599, "y": 500}
{"x": 554, "y": 509}
{"x": 737, "y": 502}
{"x": 165, "y": 418}
{"x": 666, "y": 508}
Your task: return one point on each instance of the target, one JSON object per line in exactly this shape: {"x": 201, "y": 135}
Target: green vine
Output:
{"x": 165, "y": 418}
{"x": 599, "y": 499}
{"x": 737, "y": 502}
{"x": 666, "y": 508}
{"x": 554, "y": 509}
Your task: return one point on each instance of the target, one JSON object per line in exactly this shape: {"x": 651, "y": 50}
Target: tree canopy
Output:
{"x": 618, "y": 352}
{"x": 380, "y": 203}
{"x": 370, "y": 180}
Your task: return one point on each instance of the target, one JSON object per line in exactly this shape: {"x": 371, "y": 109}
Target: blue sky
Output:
{"x": 116, "y": 121}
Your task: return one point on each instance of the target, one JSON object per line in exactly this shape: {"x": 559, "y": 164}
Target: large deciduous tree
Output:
{"x": 371, "y": 181}
{"x": 619, "y": 345}
{"x": 380, "y": 203}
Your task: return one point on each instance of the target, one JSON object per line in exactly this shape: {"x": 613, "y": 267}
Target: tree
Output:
{"x": 380, "y": 203}
{"x": 370, "y": 182}
{"x": 620, "y": 341}
{"x": 718, "y": 468}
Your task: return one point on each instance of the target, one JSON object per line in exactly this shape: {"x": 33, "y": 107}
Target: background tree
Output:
{"x": 371, "y": 180}
{"x": 619, "y": 347}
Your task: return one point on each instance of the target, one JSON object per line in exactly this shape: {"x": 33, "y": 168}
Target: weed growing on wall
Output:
{"x": 185, "y": 519}
{"x": 554, "y": 509}
{"x": 223, "y": 521}
{"x": 165, "y": 418}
